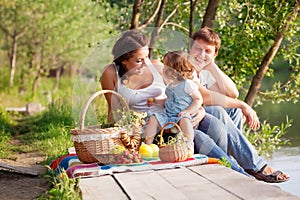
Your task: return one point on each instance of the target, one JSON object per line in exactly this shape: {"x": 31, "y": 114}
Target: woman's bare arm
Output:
{"x": 108, "y": 81}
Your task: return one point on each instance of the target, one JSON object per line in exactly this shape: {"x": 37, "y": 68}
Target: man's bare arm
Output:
{"x": 224, "y": 84}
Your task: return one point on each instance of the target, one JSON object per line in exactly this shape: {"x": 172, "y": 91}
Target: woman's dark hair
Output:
{"x": 126, "y": 46}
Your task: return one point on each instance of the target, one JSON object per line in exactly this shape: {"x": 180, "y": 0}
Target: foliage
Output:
{"x": 129, "y": 119}
{"x": 63, "y": 187}
{"x": 6, "y": 122}
{"x": 47, "y": 132}
{"x": 268, "y": 138}
{"x": 54, "y": 34}
{"x": 247, "y": 30}
{"x": 225, "y": 162}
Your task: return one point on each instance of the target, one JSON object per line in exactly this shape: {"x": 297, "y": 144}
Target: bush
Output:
{"x": 267, "y": 139}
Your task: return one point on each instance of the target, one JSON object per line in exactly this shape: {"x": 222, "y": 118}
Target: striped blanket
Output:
{"x": 74, "y": 168}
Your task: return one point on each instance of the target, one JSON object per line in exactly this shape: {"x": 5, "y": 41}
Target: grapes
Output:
{"x": 127, "y": 157}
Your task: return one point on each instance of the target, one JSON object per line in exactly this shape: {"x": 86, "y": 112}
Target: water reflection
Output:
{"x": 288, "y": 160}
{"x": 275, "y": 114}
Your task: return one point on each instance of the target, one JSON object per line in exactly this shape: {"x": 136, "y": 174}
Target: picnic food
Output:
{"x": 150, "y": 100}
{"x": 146, "y": 151}
{"x": 130, "y": 143}
{"x": 118, "y": 149}
{"x": 155, "y": 150}
{"x": 127, "y": 157}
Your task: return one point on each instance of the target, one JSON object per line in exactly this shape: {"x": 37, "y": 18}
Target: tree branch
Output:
{"x": 177, "y": 25}
{"x": 136, "y": 14}
{"x": 192, "y": 12}
{"x": 151, "y": 18}
{"x": 167, "y": 18}
{"x": 210, "y": 13}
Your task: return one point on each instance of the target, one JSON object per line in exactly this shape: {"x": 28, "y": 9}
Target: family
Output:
{"x": 188, "y": 88}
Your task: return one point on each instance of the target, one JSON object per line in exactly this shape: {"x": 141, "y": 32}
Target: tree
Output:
{"x": 257, "y": 79}
{"x": 248, "y": 31}
{"x": 14, "y": 20}
{"x": 54, "y": 35}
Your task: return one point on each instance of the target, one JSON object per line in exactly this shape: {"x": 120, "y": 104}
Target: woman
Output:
{"x": 137, "y": 79}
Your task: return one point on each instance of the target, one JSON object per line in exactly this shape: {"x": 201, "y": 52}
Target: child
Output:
{"x": 183, "y": 98}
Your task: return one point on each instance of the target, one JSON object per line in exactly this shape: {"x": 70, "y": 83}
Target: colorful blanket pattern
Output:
{"x": 74, "y": 168}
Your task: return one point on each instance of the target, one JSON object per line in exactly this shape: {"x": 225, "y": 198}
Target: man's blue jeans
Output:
{"x": 207, "y": 146}
{"x": 225, "y": 134}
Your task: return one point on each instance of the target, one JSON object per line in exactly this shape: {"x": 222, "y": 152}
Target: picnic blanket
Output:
{"x": 74, "y": 168}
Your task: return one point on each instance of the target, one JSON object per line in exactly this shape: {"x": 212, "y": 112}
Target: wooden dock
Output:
{"x": 211, "y": 181}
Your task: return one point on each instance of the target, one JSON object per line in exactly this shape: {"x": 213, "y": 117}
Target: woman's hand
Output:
{"x": 251, "y": 116}
{"x": 156, "y": 101}
{"x": 198, "y": 116}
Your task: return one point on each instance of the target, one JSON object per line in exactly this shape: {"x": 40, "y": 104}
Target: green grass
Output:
{"x": 47, "y": 133}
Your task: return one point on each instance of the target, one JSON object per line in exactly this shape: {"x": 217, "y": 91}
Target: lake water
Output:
{"x": 287, "y": 159}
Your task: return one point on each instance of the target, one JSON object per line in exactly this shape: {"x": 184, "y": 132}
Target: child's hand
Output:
{"x": 150, "y": 102}
{"x": 184, "y": 113}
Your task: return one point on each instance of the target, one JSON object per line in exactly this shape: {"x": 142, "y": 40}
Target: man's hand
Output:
{"x": 198, "y": 116}
{"x": 251, "y": 116}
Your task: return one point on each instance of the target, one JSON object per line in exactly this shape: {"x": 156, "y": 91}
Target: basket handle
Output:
{"x": 92, "y": 97}
{"x": 163, "y": 128}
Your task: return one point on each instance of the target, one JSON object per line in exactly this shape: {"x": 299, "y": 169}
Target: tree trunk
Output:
{"x": 264, "y": 66}
{"x": 192, "y": 13}
{"x": 41, "y": 65}
{"x": 13, "y": 53}
{"x": 158, "y": 23}
{"x": 136, "y": 14}
{"x": 58, "y": 73}
{"x": 35, "y": 82}
{"x": 210, "y": 13}
{"x": 13, "y": 60}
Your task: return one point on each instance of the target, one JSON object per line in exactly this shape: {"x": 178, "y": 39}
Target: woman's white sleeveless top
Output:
{"x": 137, "y": 98}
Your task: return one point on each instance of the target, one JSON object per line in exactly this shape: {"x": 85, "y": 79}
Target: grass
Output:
{"x": 47, "y": 133}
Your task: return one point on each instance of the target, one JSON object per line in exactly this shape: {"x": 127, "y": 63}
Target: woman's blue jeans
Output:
{"x": 218, "y": 125}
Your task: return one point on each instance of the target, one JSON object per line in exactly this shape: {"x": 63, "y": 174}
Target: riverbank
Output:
{"x": 287, "y": 159}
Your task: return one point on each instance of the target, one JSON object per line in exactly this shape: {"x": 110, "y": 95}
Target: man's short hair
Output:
{"x": 208, "y": 35}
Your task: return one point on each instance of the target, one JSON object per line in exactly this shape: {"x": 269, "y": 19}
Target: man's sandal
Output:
{"x": 269, "y": 178}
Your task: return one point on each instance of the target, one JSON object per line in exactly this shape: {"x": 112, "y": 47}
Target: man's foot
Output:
{"x": 269, "y": 170}
{"x": 268, "y": 174}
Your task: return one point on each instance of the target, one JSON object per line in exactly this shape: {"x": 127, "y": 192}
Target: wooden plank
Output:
{"x": 240, "y": 185}
{"x": 194, "y": 186}
{"x": 148, "y": 185}
{"x": 103, "y": 187}
{"x": 18, "y": 169}
{"x": 20, "y": 109}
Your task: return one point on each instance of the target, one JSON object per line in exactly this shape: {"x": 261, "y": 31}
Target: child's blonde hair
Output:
{"x": 179, "y": 61}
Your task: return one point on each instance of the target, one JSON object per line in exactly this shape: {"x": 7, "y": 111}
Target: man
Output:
{"x": 204, "y": 49}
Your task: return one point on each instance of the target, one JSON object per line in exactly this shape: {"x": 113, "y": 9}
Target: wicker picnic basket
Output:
{"x": 94, "y": 144}
{"x": 172, "y": 152}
